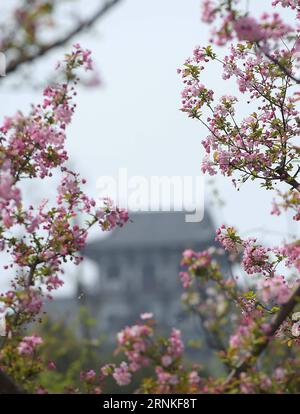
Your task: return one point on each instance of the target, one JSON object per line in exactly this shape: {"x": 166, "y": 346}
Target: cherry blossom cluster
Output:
{"x": 208, "y": 294}
{"x": 296, "y": 324}
{"x": 197, "y": 263}
{"x": 164, "y": 356}
{"x": 255, "y": 257}
{"x": 289, "y": 200}
{"x": 29, "y": 344}
{"x": 39, "y": 239}
{"x": 231, "y": 22}
{"x": 134, "y": 340}
{"x": 262, "y": 145}
{"x": 275, "y": 290}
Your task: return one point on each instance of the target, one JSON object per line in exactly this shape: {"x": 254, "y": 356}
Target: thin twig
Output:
{"x": 43, "y": 50}
{"x": 284, "y": 312}
{"x": 281, "y": 67}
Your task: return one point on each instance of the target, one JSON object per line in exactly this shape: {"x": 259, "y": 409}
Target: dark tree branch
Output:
{"x": 284, "y": 312}
{"x": 294, "y": 183}
{"x": 8, "y": 386}
{"x": 281, "y": 67}
{"x": 43, "y": 50}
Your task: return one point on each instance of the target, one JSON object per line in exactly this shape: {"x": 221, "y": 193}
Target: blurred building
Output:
{"x": 138, "y": 268}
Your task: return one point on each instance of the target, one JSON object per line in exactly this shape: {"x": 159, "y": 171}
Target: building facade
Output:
{"x": 138, "y": 268}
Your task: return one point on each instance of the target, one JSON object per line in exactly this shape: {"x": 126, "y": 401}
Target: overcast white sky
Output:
{"x": 134, "y": 121}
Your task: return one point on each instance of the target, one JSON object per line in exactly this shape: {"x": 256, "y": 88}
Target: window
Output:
{"x": 130, "y": 258}
{"x": 149, "y": 282}
{"x": 113, "y": 272}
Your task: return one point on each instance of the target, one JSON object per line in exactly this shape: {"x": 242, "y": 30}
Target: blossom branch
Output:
{"x": 43, "y": 50}
{"x": 284, "y": 312}
{"x": 280, "y": 66}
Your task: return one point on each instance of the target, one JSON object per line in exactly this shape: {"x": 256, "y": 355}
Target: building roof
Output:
{"x": 154, "y": 230}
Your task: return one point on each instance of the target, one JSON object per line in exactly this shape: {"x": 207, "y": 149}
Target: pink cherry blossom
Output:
{"x": 275, "y": 288}
{"x": 29, "y": 344}
{"x": 122, "y": 375}
{"x": 247, "y": 28}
